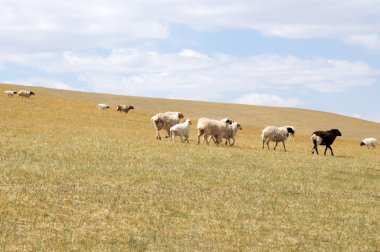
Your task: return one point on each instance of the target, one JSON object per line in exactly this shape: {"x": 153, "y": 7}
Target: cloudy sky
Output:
{"x": 314, "y": 54}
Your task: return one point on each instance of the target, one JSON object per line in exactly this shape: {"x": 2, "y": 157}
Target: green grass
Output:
{"x": 76, "y": 178}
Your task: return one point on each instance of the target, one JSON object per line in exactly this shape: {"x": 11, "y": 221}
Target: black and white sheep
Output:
{"x": 165, "y": 121}
{"x": 124, "y": 108}
{"x": 181, "y": 130}
{"x": 324, "y": 138}
{"x": 369, "y": 142}
{"x": 276, "y": 134}
{"x": 25, "y": 94}
{"x": 10, "y": 93}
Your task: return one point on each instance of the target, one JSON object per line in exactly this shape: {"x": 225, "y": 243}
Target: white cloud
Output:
{"x": 267, "y": 100}
{"x": 73, "y": 25}
{"x": 368, "y": 41}
{"x": 190, "y": 74}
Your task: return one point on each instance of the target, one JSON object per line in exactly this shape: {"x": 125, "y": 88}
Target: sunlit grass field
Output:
{"x": 73, "y": 177}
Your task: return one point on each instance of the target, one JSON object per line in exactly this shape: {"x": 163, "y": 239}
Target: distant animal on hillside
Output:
{"x": 276, "y": 134}
{"x": 103, "y": 106}
{"x": 25, "y": 93}
{"x": 124, "y": 108}
{"x": 369, "y": 142}
{"x": 10, "y": 93}
{"x": 324, "y": 138}
{"x": 165, "y": 121}
{"x": 181, "y": 130}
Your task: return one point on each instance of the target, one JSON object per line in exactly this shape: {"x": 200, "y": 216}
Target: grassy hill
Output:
{"x": 76, "y": 178}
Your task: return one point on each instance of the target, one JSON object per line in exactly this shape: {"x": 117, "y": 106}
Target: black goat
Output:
{"x": 324, "y": 138}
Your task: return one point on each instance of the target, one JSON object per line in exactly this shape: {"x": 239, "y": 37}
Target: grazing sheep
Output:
{"x": 25, "y": 94}
{"x": 165, "y": 121}
{"x": 324, "y": 138}
{"x": 10, "y": 93}
{"x": 181, "y": 130}
{"x": 210, "y": 127}
{"x": 124, "y": 108}
{"x": 369, "y": 142}
{"x": 276, "y": 134}
{"x": 103, "y": 106}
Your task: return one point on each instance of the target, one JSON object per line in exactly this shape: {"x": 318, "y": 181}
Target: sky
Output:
{"x": 312, "y": 54}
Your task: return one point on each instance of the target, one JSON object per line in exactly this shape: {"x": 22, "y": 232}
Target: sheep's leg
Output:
{"x": 283, "y": 143}
{"x": 268, "y": 144}
{"x": 180, "y": 136}
{"x": 325, "y": 150}
{"x": 172, "y": 136}
{"x": 187, "y": 138}
{"x": 168, "y": 133}
{"x": 213, "y": 139}
{"x": 207, "y": 139}
{"x": 332, "y": 154}
{"x": 200, "y": 133}
{"x": 314, "y": 148}
{"x": 218, "y": 140}
{"x": 158, "y": 134}
{"x": 275, "y": 146}
{"x": 263, "y": 144}
{"x": 233, "y": 143}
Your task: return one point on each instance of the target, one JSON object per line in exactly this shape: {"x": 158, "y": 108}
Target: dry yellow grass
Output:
{"x": 76, "y": 178}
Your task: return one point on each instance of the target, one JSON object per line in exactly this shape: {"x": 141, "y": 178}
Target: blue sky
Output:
{"x": 320, "y": 55}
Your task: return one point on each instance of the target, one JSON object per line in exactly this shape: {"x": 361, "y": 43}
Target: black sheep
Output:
{"x": 324, "y": 138}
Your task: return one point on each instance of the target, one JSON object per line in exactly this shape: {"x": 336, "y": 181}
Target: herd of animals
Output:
{"x": 217, "y": 130}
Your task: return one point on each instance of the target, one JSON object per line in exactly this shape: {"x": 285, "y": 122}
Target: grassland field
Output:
{"x": 74, "y": 178}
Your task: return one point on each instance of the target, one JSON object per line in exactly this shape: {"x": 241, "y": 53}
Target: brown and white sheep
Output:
{"x": 124, "y": 108}
{"x": 25, "y": 93}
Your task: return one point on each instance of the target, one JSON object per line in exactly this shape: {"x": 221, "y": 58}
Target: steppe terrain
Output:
{"x": 73, "y": 177}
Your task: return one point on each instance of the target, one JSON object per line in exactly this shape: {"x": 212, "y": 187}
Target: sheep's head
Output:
{"x": 14, "y": 92}
{"x": 31, "y": 93}
{"x": 362, "y": 143}
{"x": 290, "y": 131}
{"x": 228, "y": 121}
{"x": 131, "y": 107}
{"x": 336, "y": 132}
{"x": 189, "y": 121}
{"x": 180, "y": 115}
{"x": 239, "y": 126}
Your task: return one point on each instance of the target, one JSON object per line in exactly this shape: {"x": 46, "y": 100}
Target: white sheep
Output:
{"x": 10, "y": 93}
{"x": 103, "y": 106}
{"x": 369, "y": 142}
{"x": 165, "y": 121}
{"x": 224, "y": 120}
{"x": 210, "y": 127}
{"x": 181, "y": 130}
{"x": 25, "y": 94}
{"x": 276, "y": 134}
{"x": 231, "y": 132}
